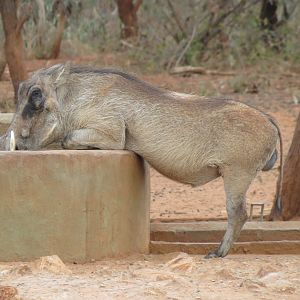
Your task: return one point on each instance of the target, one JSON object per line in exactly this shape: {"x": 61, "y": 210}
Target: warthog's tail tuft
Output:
{"x": 271, "y": 162}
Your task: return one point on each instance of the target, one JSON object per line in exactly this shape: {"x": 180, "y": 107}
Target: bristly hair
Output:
{"x": 81, "y": 69}
{"x": 92, "y": 70}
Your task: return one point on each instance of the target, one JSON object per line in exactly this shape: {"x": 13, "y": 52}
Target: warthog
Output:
{"x": 187, "y": 138}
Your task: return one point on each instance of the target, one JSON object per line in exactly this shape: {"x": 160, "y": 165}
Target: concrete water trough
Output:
{"x": 80, "y": 205}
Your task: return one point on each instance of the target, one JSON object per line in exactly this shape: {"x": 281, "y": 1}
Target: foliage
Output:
{"x": 196, "y": 32}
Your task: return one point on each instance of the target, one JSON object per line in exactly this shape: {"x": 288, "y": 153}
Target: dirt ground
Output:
{"x": 177, "y": 275}
{"x": 173, "y": 276}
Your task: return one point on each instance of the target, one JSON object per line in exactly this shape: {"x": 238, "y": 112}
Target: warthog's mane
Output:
{"x": 92, "y": 70}
{"x": 208, "y": 103}
{"x": 217, "y": 102}
{"x": 81, "y": 69}
{"x": 86, "y": 70}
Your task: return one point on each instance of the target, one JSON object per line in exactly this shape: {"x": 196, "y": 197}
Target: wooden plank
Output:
{"x": 213, "y": 232}
{"x": 268, "y": 247}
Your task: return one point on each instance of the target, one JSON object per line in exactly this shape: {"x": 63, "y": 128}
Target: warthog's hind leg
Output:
{"x": 236, "y": 185}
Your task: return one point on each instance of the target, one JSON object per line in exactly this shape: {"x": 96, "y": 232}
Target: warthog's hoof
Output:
{"x": 65, "y": 143}
{"x": 212, "y": 254}
{"x": 69, "y": 144}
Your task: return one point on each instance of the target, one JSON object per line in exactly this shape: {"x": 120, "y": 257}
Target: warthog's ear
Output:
{"x": 61, "y": 74}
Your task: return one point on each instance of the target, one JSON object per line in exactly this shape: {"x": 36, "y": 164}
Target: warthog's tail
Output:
{"x": 278, "y": 202}
{"x": 271, "y": 162}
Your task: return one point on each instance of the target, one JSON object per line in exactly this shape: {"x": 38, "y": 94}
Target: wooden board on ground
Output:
{"x": 268, "y": 247}
{"x": 201, "y": 237}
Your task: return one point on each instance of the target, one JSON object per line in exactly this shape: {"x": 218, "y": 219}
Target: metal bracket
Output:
{"x": 262, "y": 206}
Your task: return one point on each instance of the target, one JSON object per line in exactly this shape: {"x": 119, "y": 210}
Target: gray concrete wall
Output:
{"x": 80, "y": 205}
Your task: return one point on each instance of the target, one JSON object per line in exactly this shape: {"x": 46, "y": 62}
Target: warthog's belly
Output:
{"x": 194, "y": 176}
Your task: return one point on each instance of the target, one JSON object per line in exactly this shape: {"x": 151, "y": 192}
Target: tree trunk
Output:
{"x": 291, "y": 181}
{"x": 58, "y": 37}
{"x": 268, "y": 14}
{"x": 128, "y": 15}
{"x": 269, "y": 23}
{"x": 61, "y": 9}
{"x": 2, "y": 61}
{"x": 14, "y": 49}
{"x": 41, "y": 29}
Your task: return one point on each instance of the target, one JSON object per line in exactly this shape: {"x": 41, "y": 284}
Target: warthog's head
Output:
{"x": 37, "y": 118}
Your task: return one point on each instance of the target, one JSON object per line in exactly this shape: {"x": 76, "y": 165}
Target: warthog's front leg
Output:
{"x": 236, "y": 184}
{"x": 91, "y": 138}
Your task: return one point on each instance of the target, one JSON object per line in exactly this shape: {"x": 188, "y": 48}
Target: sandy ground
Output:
{"x": 173, "y": 276}
{"x": 179, "y": 276}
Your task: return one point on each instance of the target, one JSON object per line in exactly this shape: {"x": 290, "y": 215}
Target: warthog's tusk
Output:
{"x": 12, "y": 141}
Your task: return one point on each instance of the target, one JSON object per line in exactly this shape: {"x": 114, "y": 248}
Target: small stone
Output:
{"x": 252, "y": 284}
{"x": 287, "y": 290}
{"x": 52, "y": 264}
{"x": 163, "y": 277}
{"x": 264, "y": 271}
{"x": 9, "y": 293}
{"x": 225, "y": 274}
{"x": 22, "y": 270}
{"x": 182, "y": 262}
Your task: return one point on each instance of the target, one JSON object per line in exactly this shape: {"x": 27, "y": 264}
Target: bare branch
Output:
{"x": 25, "y": 13}
{"x": 186, "y": 47}
{"x": 2, "y": 64}
{"x": 189, "y": 41}
{"x": 177, "y": 18}
{"x": 198, "y": 70}
{"x": 41, "y": 17}
{"x": 172, "y": 59}
{"x": 137, "y": 5}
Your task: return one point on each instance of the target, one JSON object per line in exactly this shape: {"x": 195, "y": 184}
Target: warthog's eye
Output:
{"x": 36, "y": 93}
{"x": 36, "y": 98}
{"x": 35, "y": 103}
